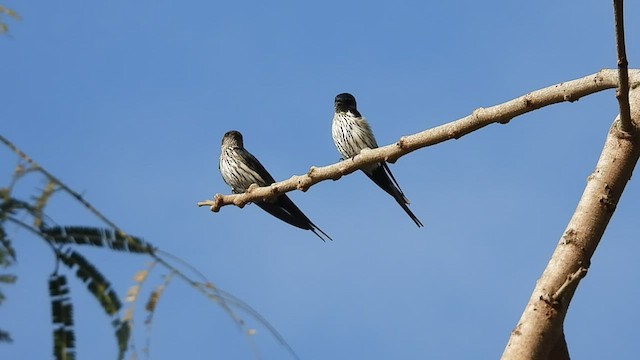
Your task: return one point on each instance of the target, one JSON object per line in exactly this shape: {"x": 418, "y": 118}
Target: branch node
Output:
{"x": 605, "y": 199}
{"x": 528, "y": 101}
{"x": 504, "y": 121}
{"x": 477, "y": 113}
{"x": 569, "y": 236}
{"x": 572, "y": 280}
{"x": 239, "y": 202}
{"x": 568, "y": 95}
{"x": 217, "y": 202}
{"x": 401, "y": 143}
{"x": 619, "y": 130}
{"x": 304, "y": 182}
{"x": 547, "y": 298}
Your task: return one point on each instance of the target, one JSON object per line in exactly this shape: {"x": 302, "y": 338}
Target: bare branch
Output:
{"x": 481, "y": 117}
{"x": 622, "y": 92}
{"x": 540, "y": 327}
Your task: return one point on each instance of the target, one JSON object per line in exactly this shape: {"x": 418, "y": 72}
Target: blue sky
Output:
{"x": 127, "y": 102}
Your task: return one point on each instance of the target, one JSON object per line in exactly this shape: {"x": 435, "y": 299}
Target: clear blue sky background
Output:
{"x": 127, "y": 102}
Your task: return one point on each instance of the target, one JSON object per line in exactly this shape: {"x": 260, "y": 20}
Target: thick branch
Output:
{"x": 622, "y": 92}
{"x": 540, "y": 326}
{"x": 481, "y": 117}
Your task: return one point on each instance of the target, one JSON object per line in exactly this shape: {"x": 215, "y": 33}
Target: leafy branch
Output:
{"x": 66, "y": 243}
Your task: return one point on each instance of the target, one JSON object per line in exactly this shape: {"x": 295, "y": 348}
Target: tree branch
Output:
{"x": 540, "y": 327}
{"x": 622, "y": 92}
{"x": 481, "y": 117}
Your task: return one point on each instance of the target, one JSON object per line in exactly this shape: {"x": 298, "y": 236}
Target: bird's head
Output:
{"x": 345, "y": 102}
{"x": 232, "y": 138}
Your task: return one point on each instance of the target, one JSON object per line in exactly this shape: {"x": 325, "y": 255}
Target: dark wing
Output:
{"x": 382, "y": 176}
{"x": 256, "y": 166}
{"x": 284, "y": 209}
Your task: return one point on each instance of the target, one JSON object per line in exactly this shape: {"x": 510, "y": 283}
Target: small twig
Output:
{"x": 479, "y": 118}
{"x": 37, "y": 232}
{"x": 571, "y": 280}
{"x": 622, "y": 92}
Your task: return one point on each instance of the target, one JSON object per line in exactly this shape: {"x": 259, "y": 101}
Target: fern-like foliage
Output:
{"x": 123, "y": 334}
{"x": 97, "y": 284}
{"x": 64, "y": 241}
{"x": 102, "y": 291}
{"x": 62, "y": 318}
{"x": 80, "y": 235}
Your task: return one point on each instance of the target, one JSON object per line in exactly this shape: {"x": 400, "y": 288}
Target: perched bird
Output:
{"x": 351, "y": 133}
{"x": 240, "y": 169}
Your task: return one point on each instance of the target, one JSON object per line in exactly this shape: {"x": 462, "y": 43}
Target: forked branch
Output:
{"x": 539, "y": 330}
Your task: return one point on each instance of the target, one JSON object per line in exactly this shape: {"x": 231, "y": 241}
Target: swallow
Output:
{"x": 239, "y": 169}
{"x": 351, "y": 133}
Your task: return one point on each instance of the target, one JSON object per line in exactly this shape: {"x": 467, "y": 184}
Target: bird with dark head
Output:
{"x": 351, "y": 134}
{"x": 240, "y": 169}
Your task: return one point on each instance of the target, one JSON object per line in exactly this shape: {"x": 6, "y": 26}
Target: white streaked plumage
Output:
{"x": 239, "y": 169}
{"x": 351, "y": 134}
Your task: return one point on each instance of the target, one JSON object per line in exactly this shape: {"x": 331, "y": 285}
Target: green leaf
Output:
{"x": 102, "y": 291}
{"x": 6, "y": 248}
{"x": 5, "y": 336}
{"x": 64, "y": 344}
{"x": 123, "y": 334}
{"x": 7, "y": 278}
{"x": 62, "y": 318}
{"x": 97, "y": 237}
{"x": 97, "y": 284}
